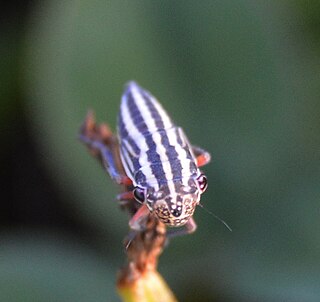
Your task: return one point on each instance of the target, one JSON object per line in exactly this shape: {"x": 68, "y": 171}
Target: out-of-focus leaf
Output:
{"x": 50, "y": 270}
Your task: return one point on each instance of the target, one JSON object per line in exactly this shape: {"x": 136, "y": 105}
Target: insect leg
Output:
{"x": 188, "y": 228}
{"x": 107, "y": 160}
{"x": 125, "y": 196}
{"x": 203, "y": 157}
{"x": 139, "y": 219}
{"x": 102, "y": 143}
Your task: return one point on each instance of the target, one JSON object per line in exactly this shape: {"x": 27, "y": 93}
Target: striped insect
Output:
{"x": 158, "y": 160}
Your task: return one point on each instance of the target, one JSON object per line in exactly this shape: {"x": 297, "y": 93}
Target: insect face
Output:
{"x": 174, "y": 203}
{"x": 177, "y": 211}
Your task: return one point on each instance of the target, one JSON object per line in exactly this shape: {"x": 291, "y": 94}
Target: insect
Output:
{"x": 159, "y": 162}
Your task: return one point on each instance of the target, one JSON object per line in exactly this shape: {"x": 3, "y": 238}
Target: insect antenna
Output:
{"x": 216, "y": 217}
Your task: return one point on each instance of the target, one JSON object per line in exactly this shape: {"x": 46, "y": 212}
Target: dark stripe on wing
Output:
{"x": 153, "y": 156}
{"x": 134, "y": 158}
{"x": 182, "y": 140}
{"x": 147, "y": 96}
{"x": 135, "y": 113}
{"x": 123, "y": 133}
{"x": 171, "y": 152}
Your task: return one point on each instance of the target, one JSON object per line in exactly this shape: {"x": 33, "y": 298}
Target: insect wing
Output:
{"x": 129, "y": 158}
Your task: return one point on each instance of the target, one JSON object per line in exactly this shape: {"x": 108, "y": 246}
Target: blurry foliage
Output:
{"x": 309, "y": 12}
{"x": 52, "y": 270}
{"x": 242, "y": 79}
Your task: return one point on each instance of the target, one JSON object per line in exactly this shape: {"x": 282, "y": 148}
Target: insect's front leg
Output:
{"x": 188, "y": 228}
{"x": 126, "y": 196}
{"x": 102, "y": 143}
{"x": 139, "y": 219}
{"x": 202, "y": 156}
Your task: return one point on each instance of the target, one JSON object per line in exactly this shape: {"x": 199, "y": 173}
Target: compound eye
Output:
{"x": 203, "y": 182}
{"x": 139, "y": 194}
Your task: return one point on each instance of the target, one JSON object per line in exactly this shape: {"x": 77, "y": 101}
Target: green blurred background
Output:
{"x": 241, "y": 77}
